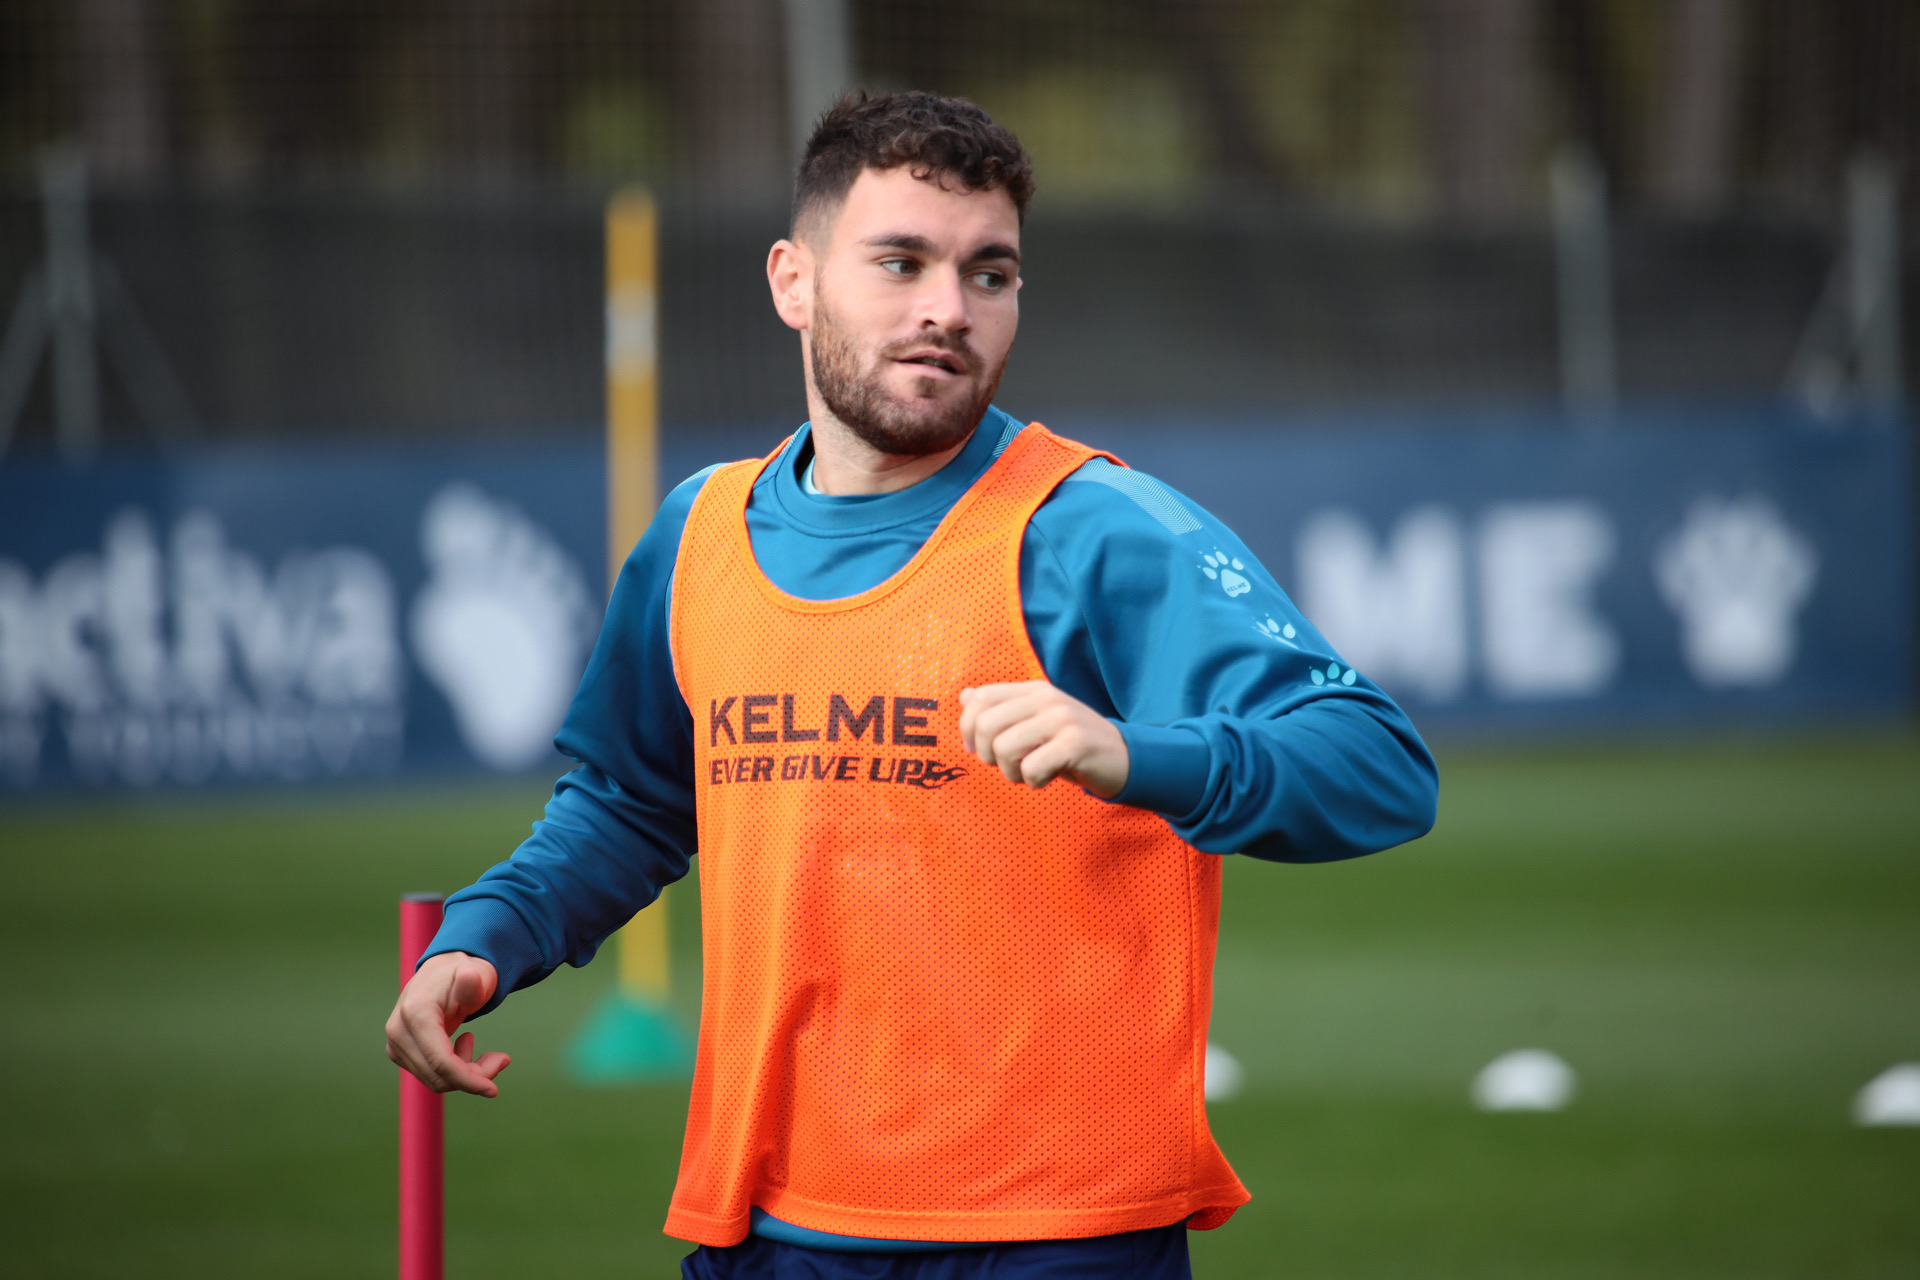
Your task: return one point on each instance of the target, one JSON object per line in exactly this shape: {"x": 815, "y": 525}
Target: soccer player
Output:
{"x": 960, "y": 716}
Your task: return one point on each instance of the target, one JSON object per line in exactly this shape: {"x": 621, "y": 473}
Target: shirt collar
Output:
{"x": 862, "y": 513}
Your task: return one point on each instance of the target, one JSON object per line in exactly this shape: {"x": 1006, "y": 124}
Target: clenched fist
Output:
{"x": 1034, "y": 733}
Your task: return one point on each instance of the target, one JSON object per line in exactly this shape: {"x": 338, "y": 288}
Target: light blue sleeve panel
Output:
{"x": 1246, "y": 731}
{"x": 620, "y": 827}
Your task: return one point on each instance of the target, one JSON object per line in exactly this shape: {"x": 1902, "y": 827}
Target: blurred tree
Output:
{"x": 1474, "y": 59}
{"x": 1879, "y": 50}
{"x": 1693, "y": 143}
{"x": 1836, "y": 75}
{"x": 1375, "y": 100}
{"x": 1800, "y": 98}
{"x": 1198, "y": 35}
{"x": 608, "y": 65}
{"x": 304, "y": 69}
{"x": 487, "y": 110}
{"x": 123, "y": 89}
{"x": 728, "y": 96}
{"x": 1590, "y": 83}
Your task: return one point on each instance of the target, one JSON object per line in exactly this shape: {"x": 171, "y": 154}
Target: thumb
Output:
{"x": 472, "y": 987}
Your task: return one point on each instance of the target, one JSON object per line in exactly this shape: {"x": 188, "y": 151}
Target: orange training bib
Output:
{"x": 938, "y": 1005}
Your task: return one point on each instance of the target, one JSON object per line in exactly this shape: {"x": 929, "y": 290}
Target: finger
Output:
{"x": 991, "y": 695}
{"x": 418, "y": 1029}
{"x": 416, "y": 1062}
{"x": 1046, "y": 761}
{"x": 977, "y": 701}
{"x": 395, "y": 1029}
{"x": 1012, "y": 745}
{"x": 447, "y": 1073}
{"x": 492, "y": 1063}
{"x": 473, "y": 1080}
{"x": 463, "y": 1047}
{"x": 994, "y": 723}
{"x": 470, "y": 990}
{"x": 403, "y": 1046}
{"x": 426, "y": 1050}
{"x": 434, "y": 1059}
{"x": 969, "y": 714}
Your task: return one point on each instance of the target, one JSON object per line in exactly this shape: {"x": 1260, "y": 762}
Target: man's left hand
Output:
{"x": 1034, "y": 733}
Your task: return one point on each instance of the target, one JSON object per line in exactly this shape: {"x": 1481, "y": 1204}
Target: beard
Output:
{"x": 883, "y": 421}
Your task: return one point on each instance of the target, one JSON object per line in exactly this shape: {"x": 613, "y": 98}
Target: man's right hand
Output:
{"x": 442, "y": 992}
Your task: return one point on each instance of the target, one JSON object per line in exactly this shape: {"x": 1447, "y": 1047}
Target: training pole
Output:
{"x": 633, "y": 1035}
{"x": 422, "y": 1129}
{"x": 633, "y": 482}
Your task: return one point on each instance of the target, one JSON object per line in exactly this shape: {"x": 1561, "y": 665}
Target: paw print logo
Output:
{"x": 1277, "y": 632}
{"x": 1334, "y": 674}
{"x": 501, "y": 625}
{"x": 1215, "y": 566}
{"x": 1737, "y": 574}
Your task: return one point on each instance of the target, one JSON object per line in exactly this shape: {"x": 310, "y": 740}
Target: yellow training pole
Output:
{"x": 634, "y": 1036}
{"x": 633, "y": 479}
{"x": 633, "y": 387}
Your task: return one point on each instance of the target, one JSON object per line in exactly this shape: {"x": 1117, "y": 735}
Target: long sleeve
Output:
{"x": 620, "y": 827}
{"x": 1245, "y": 730}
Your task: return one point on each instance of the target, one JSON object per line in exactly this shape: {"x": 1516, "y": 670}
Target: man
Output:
{"x": 959, "y": 715}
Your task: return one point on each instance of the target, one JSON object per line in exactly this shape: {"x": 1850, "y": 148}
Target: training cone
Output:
{"x": 1524, "y": 1080}
{"x": 634, "y": 1036}
{"x": 1890, "y": 1098}
{"x": 630, "y": 1040}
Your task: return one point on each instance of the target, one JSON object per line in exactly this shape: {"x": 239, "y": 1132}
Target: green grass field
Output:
{"x": 1723, "y": 940}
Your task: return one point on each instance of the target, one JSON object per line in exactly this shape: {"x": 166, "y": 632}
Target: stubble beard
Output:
{"x": 859, "y": 398}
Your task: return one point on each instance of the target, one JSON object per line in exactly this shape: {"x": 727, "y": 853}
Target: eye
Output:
{"x": 899, "y": 266}
{"x": 991, "y": 281}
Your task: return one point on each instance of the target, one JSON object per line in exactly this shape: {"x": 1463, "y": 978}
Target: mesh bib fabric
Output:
{"x": 938, "y": 1005}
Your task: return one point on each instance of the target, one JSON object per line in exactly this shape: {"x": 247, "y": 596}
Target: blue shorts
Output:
{"x": 1156, "y": 1254}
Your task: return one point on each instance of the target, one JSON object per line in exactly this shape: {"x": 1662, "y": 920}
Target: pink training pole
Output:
{"x": 422, "y": 1158}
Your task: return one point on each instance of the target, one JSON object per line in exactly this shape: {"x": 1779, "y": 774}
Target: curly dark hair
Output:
{"x": 950, "y": 137}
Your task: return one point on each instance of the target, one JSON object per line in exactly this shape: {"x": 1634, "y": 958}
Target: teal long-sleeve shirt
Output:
{"x": 1245, "y": 731}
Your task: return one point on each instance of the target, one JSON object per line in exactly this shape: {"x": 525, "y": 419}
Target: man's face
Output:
{"x": 914, "y": 309}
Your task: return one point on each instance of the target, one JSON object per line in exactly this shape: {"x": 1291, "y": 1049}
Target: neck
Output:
{"x": 845, "y": 466}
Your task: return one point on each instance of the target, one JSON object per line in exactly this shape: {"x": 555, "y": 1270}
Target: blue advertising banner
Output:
{"x": 312, "y": 615}
{"x": 294, "y": 616}
{"x": 1693, "y": 566}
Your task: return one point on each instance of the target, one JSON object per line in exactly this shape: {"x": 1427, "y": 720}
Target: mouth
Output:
{"x": 942, "y": 361}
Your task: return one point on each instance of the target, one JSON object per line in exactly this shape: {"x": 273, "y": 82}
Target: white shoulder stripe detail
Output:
{"x": 1152, "y": 497}
{"x": 1013, "y": 428}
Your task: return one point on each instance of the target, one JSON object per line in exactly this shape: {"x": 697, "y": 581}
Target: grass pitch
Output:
{"x": 1723, "y": 941}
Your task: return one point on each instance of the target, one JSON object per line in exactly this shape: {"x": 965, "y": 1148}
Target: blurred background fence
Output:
{"x": 1548, "y": 351}
{"x": 346, "y": 217}
{"x": 333, "y": 224}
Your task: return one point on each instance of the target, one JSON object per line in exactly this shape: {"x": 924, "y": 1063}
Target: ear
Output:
{"x": 790, "y": 279}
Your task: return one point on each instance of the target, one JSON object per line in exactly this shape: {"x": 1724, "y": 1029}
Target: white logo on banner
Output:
{"x": 1539, "y": 564}
{"x": 188, "y": 659}
{"x": 1737, "y": 574}
{"x": 501, "y": 625}
{"x": 284, "y": 674}
{"x": 1400, "y": 610}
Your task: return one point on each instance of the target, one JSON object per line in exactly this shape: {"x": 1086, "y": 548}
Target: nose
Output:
{"x": 942, "y": 302}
